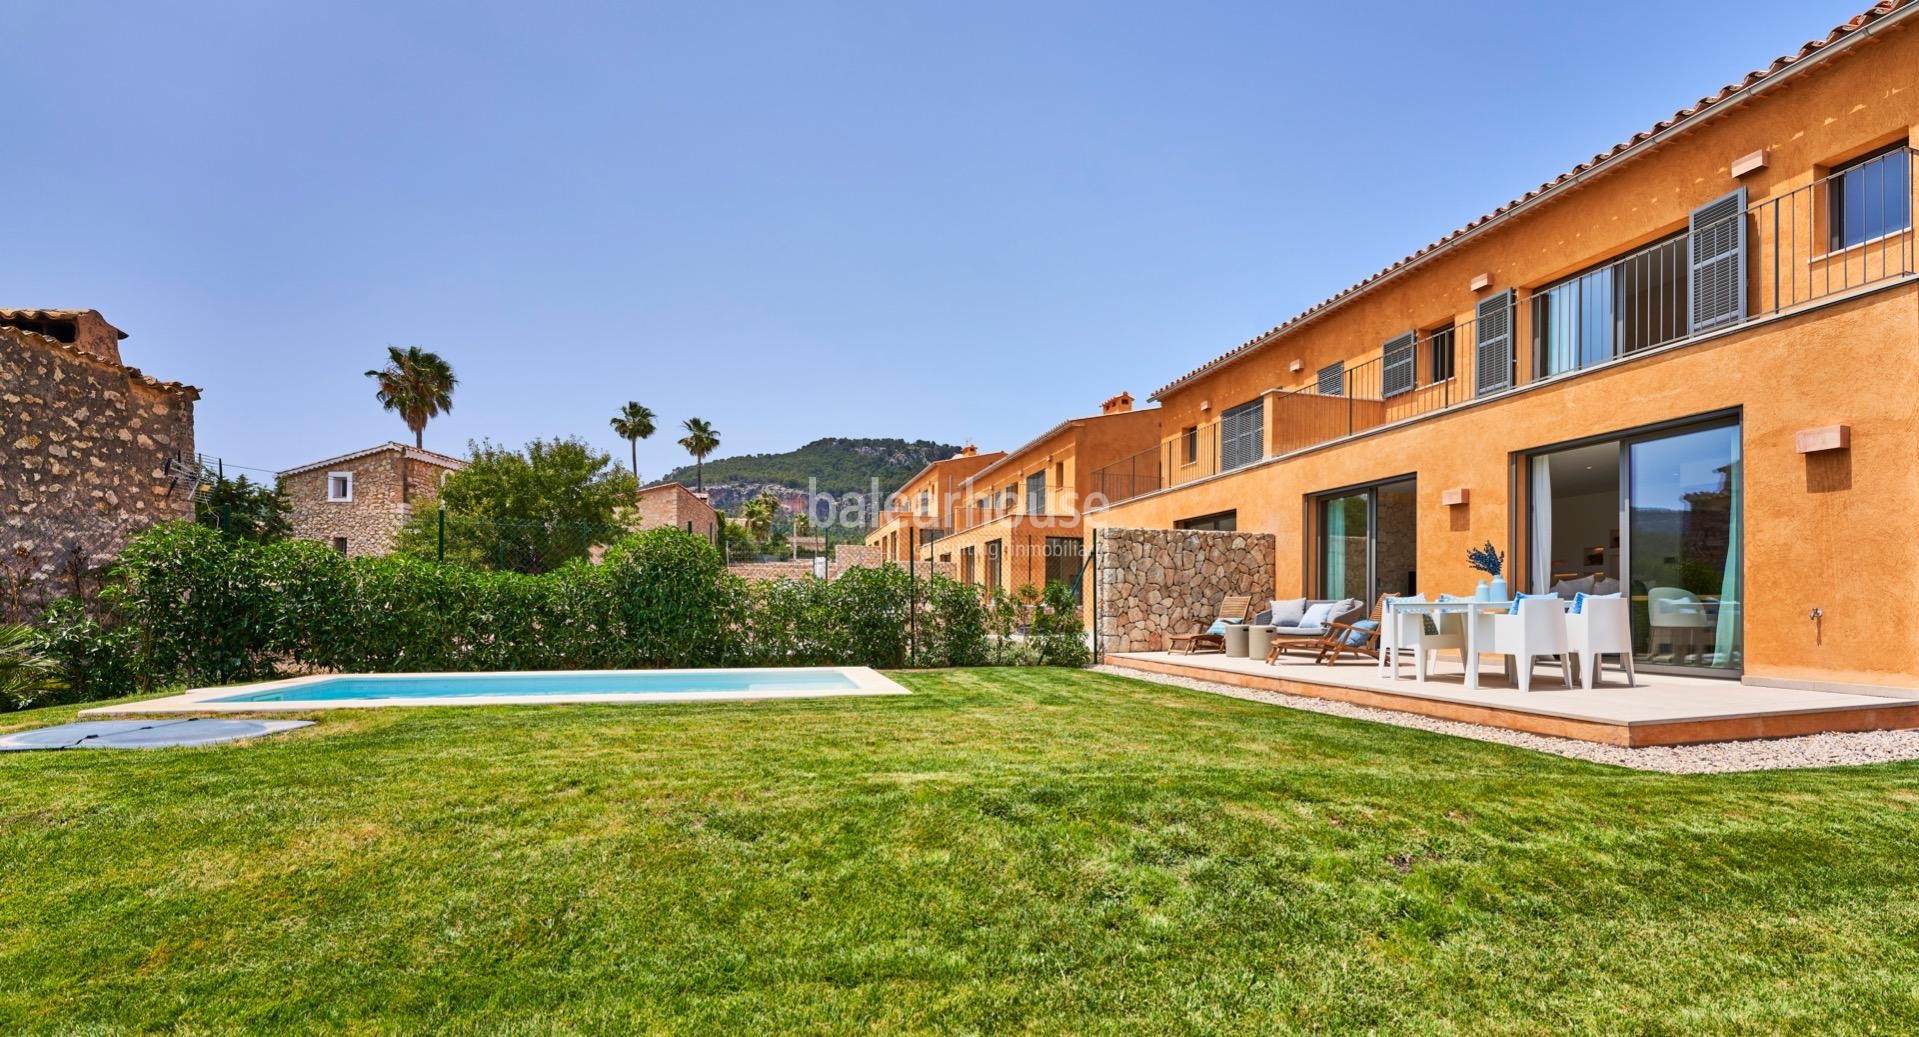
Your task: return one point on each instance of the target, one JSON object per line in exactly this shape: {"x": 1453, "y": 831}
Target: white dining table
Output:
{"x": 1395, "y": 607}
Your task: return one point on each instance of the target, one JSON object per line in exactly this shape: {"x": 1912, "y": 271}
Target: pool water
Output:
{"x": 521, "y": 685}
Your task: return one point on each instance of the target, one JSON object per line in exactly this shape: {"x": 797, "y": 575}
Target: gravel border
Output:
{"x": 1833, "y": 749}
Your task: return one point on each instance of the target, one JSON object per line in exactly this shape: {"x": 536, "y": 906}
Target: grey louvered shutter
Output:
{"x": 1717, "y": 241}
{"x": 1399, "y": 371}
{"x": 1493, "y": 343}
{"x": 1240, "y": 432}
{"x": 1332, "y": 379}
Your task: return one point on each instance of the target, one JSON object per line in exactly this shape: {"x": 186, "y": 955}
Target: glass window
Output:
{"x": 1190, "y": 437}
{"x": 1613, "y": 309}
{"x": 1369, "y": 542}
{"x": 1064, "y": 559}
{"x": 1223, "y": 521}
{"x": 1440, "y": 347}
{"x": 992, "y": 563}
{"x": 1683, "y": 537}
{"x": 1871, "y": 197}
{"x": 1036, "y": 493}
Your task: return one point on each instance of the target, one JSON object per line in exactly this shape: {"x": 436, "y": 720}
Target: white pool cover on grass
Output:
{"x": 143, "y": 734}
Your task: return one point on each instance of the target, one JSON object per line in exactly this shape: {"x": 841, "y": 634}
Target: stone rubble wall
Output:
{"x": 1154, "y": 583}
{"x": 85, "y": 446}
{"x": 368, "y": 522}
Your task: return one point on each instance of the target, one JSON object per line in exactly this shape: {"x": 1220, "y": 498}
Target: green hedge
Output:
{"x": 191, "y": 606}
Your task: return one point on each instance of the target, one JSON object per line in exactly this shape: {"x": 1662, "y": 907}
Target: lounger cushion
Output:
{"x": 1318, "y": 614}
{"x": 1298, "y": 631}
{"x": 1362, "y": 632}
{"x": 1288, "y": 611}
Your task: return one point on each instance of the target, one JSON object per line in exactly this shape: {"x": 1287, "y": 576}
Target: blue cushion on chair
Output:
{"x": 1362, "y": 632}
{"x": 1218, "y": 627}
{"x": 1517, "y": 598}
{"x": 1579, "y": 601}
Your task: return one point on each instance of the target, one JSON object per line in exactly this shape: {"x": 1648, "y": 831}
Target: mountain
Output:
{"x": 837, "y": 466}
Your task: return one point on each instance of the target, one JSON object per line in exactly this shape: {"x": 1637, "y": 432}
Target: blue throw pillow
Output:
{"x": 1517, "y": 598}
{"x": 1362, "y": 632}
{"x": 1218, "y": 627}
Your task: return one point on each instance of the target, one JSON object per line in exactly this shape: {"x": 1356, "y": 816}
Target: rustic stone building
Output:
{"x": 672, "y": 504}
{"x": 357, "y": 502}
{"x": 91, "y": 450}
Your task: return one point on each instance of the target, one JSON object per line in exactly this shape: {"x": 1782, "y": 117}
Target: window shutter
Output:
{"x": 1240, "y": 432}
{"x": 1717, "y": 236}
{"x": 1493, "y": 344}
{"x": 1332, "y": 379}
{"x": 1399, "y": 370}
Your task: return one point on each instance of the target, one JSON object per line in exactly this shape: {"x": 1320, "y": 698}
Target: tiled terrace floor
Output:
{"x": 1660, "y": 710}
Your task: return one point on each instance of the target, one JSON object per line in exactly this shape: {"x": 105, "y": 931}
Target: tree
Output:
{"x": 527, "y": 511}
{"x": 633, "y": 424}
{"x": 759, "y": 514}
{"x": 700, "y": 440}
{"x": 245, "y": 509}
{"x": 415, "y": 384}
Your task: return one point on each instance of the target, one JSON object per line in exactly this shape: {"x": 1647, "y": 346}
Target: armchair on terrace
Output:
{"x": 1236, "y": 608}
{"x": 1357, "y": 638}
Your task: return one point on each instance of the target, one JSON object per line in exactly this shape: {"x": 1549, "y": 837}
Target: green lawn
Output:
{"x": 1006, "y": 850}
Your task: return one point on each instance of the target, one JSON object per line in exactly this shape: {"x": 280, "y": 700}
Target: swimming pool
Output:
{"x": 554, "y": 686}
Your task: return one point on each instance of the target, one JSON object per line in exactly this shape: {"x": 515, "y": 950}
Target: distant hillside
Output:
{"x": 841, "y": 467}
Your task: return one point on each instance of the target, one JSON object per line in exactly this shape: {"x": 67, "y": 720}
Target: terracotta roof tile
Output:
{"x": 1878, "y": 12}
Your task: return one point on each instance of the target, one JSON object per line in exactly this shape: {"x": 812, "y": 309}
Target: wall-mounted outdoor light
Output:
{"x": 1456, "y": 496}
{"x": 1819, "y": 440}
{"x": 1481, "y": 282}
{"x": 1750, "y": 162}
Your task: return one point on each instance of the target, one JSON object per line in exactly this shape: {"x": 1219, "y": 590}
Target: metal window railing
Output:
{"x": 1840, "y": 234}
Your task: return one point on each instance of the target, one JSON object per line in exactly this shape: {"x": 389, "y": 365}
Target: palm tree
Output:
{"x": 633, "y": 424}
{"x": 416, "y": 384}
{"x": 700, "y": 440}
{"x": 759, "y": 513}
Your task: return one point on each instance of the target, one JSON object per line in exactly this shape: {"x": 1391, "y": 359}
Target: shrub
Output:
{"x": 671, "y": 601}
{"x": 28, "y": 677}
{"x": 95, "y": 660}
{"x": 206, "y": 609}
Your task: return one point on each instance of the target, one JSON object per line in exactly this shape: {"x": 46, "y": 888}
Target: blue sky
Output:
{"x": 954, "y": 222}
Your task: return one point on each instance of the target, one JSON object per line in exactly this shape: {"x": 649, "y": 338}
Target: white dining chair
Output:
{"x": 1449, "y": 632}
{"x": 1537, "y": 629}
{"x": 1601, "y": 627}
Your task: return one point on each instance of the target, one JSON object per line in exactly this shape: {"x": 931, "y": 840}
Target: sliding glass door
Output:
{"x": 1655, "y": 517}
{"x": 1683, "y": 517}
{"x": 1368, "y": 541}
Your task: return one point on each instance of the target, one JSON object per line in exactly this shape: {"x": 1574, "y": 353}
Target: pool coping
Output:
{"x": 866, "y": 681}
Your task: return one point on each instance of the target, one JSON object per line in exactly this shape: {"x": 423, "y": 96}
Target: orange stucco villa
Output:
{"x": 1685, "y": 371}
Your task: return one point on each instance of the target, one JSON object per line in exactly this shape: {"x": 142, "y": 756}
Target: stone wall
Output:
{"x": 855, "y": 556}
{"x": 91, "y": 452}
{"x": 1154, "y": 583}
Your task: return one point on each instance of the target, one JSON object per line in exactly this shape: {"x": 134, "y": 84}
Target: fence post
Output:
{"x": 912, "y": 597}
{"x": 439, "y": 547}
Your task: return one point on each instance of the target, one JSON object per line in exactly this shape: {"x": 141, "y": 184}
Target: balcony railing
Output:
{"x": 1735, "y": 263}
